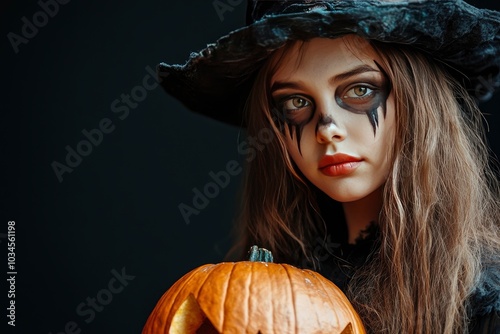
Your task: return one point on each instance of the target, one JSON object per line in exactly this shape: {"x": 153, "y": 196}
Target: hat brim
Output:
{"x": 215, "y": 81}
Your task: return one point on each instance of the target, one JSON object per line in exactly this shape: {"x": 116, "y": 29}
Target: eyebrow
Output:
{"x": 339, "y": 77}
{"x": 355, "y": 71}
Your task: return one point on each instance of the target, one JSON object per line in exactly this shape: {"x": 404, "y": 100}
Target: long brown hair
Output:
{"x": 439, "y": 220}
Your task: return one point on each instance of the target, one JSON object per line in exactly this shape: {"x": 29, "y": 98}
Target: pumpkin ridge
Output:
{"x": 207, "y": 278}
{"x": 271, "y": 290}
{"x": 249, "y": 300}
{"x": 308, "y": 300}
{"x": 240, "y": 268}
{"x": 347, "y": 306}
{"x": 314, "y": 301}
{"x": 319, "y": 284}
{"x": 221, "y": 326}
{"x": 344, "y": 301}
{"x": 330, "y": 298}
{"x": 260, "y": 303}
{"x": 295, "y": 306}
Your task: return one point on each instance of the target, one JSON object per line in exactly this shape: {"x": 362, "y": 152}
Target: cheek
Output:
{"x": 308, "y": 148}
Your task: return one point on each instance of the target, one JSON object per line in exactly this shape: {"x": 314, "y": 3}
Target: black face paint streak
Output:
{"x": 278, "y": 118}
{"x": 373, "y": 117}
{"x": 297, "y": 129}
{"x": 294, "y": 128}
{"x": 281, "y": 120}
{"x": 368, "y": 104}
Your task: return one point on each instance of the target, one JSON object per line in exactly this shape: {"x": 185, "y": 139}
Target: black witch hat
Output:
{"x": 215, "y": 81}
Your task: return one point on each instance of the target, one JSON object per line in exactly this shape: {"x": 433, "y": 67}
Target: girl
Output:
{"x": 378, "y": 175}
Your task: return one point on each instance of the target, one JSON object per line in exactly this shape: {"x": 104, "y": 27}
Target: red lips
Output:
{"x": 338, "y": 164}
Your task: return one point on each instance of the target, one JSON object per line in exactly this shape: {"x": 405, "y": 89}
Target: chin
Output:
{"x": 342, "y": 197}
{"x": 350, "y": 194}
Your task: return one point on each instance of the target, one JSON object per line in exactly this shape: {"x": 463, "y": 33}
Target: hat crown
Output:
{"x": 257, "y": 9}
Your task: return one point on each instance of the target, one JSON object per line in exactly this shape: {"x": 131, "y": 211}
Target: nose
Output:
{"x": 327, "y": 130}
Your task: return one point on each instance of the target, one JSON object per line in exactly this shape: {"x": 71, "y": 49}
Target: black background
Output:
{"x": 119, "y": 207}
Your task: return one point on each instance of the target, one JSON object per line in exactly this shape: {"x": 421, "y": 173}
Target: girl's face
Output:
{"x": 338, "y": 114}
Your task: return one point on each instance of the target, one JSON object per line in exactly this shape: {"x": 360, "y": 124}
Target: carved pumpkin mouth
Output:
{"x": 190, "y": 319}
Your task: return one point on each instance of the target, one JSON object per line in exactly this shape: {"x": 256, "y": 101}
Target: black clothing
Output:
{"x": 339, "y": 261}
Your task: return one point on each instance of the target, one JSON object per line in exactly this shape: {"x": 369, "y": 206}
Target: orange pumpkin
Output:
{"x": 254, "y": 296}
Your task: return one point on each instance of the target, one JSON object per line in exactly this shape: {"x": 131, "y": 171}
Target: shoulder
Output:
{"x": 486, "y": 296}
{"x": 485, "y": 302}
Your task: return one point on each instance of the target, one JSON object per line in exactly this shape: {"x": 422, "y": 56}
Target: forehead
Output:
{"x": 320, "y": 55}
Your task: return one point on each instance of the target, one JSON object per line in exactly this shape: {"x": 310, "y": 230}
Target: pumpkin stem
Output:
{"x": 260, "y": 255}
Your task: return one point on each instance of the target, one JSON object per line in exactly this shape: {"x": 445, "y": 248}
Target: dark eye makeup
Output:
{"x": 295, "y": 109}
{"x": 359, "y": 98}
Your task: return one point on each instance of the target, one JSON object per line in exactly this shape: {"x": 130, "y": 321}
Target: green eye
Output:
{"x": 358, "y": 91}
{"x": 296, "y": 103}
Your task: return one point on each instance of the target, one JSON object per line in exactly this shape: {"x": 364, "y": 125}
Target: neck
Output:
{"x": 359, "y": 214}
